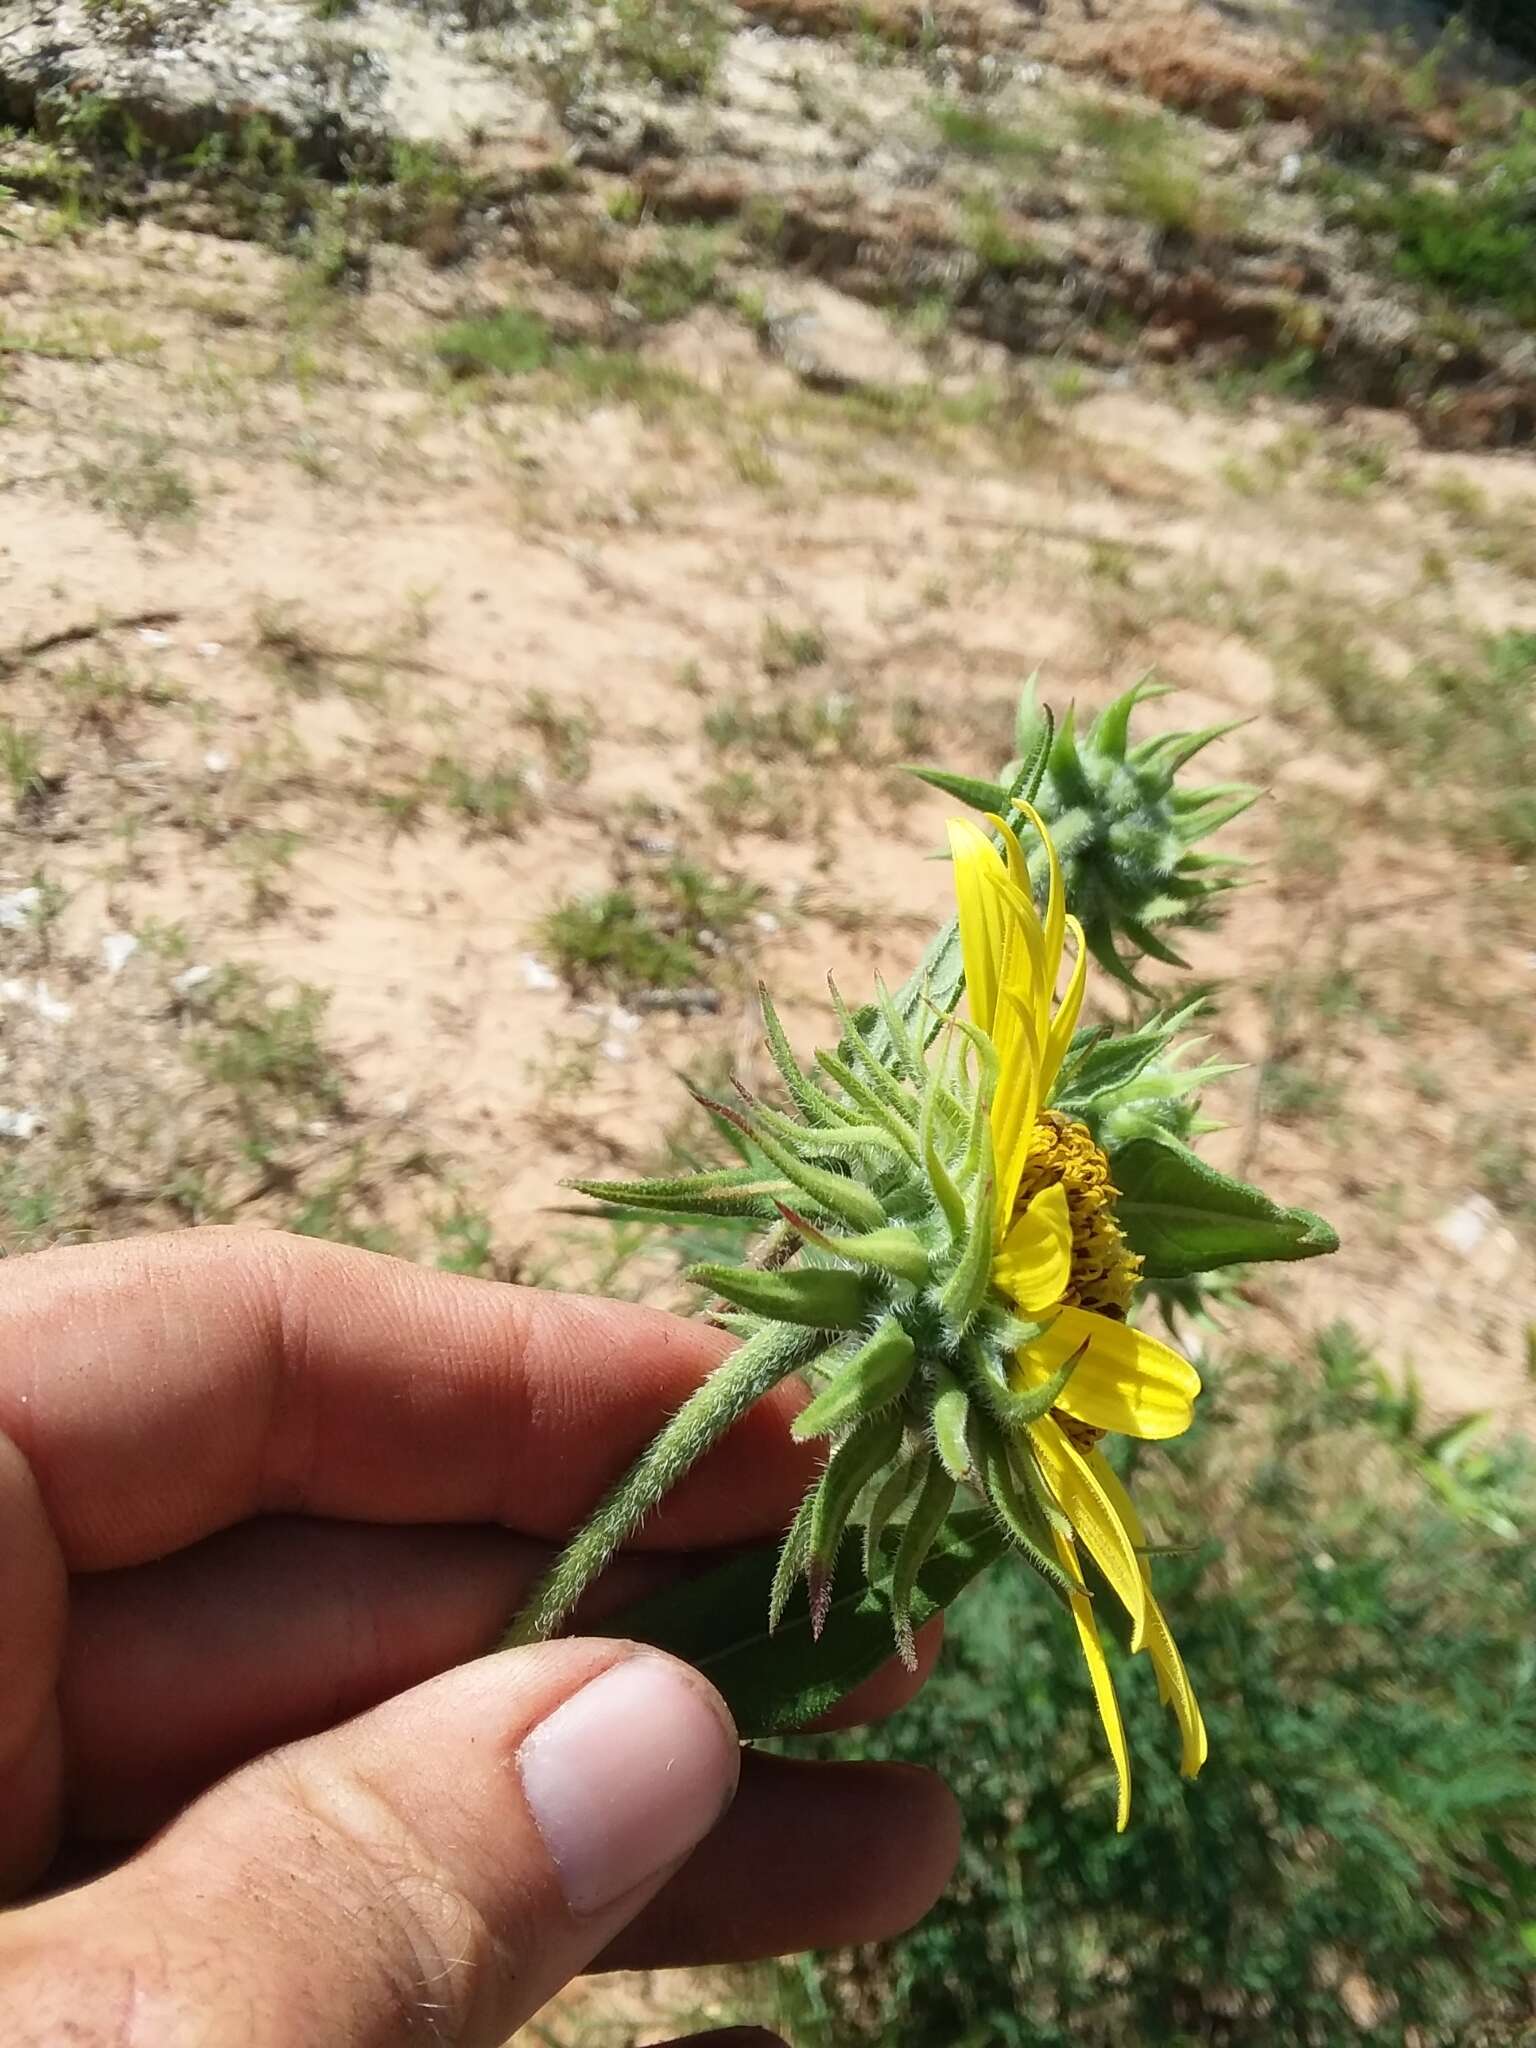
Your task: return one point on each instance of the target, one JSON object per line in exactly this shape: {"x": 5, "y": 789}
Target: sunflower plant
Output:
{"x": 958, "y": 1211}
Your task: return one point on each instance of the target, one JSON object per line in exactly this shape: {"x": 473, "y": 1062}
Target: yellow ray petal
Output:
{"x": 1024, "y": 968}
{"x": 1067, "y": 1010}
{"x": 1177, "y": 1692}
{"x": 981, "y": 916}
{"x": 1034, "y": 1261}
{"x": 1092, "y": 1514}
{"x": 1127, "y": 1383}
{"x": 1017, "y": 1104}
{"x": 1173, "y": 1686}
{"x": 1103, "y": 1686}
{"x": 1055, "y": 899}
{"x": 1013, "y": 852}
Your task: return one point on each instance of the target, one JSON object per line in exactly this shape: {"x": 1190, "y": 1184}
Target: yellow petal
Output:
{"x": 1055, "y": 900}
{"x": 1013, "y": 852}
{"x": 1065, "y": 1021}
{"x": 1177, "y": 1692}
{"x": 1024, "y": 968}
{"x": 1127, "y": 1382}
{"x": 1017, "y": 1104}
{"x": 1103, "y": 1686}
{"x": 1092, "y": 1514}
{"x": 981, "y": 926}
{"x": 1173, "y": 1686}
{"x": 1034, "y": 1262}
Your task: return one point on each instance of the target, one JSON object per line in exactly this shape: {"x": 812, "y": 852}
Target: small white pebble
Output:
{"x": 535, "y": 974}
{"x": 614, "y": 1049}
{"x": 151, "y": 636}
{"x": 217, "y": 763}
{"x": 19, "y": 1123}
{"x": 117, "y": 949}
{"x": 191, "y": 978}
{"x": 317, "y": 1127}
{"x": 210, "y": 650}
{"x": 766, "y": 922}
{"x": 37, "y": 997}
{"x": 16, "y": 909}
{"x": 1464, "y": 1227}
{"x": 623, "y": 1021}
{"x": 1288, "y": 176}
{"x": 51, "y": 1008}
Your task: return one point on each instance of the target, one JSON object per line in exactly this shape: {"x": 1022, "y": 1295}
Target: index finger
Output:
{"x": 164, "y": 1388}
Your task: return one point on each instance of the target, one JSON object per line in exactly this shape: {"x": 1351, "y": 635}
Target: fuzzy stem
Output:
{"x": 745, "y": 1377}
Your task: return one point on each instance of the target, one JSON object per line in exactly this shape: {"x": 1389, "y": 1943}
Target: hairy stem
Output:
{"x": 745, "y": 1377}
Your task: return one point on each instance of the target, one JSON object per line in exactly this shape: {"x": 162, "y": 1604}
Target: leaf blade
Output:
{"x": 1184, "y": 1217}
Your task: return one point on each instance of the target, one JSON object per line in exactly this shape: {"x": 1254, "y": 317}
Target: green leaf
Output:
{"x": 1184, "y": 1217}
{"x": 776, "y": 1683}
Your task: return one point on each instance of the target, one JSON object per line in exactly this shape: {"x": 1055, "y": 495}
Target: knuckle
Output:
{"x": 417, "y": 1949}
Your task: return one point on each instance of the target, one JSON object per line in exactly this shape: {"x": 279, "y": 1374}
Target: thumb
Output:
{"x": 437, "y": 1868}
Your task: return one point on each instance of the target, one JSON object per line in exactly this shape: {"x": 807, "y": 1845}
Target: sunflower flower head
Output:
{"x": 1062, "y": 1259}
{"x": 944, "y": 1257}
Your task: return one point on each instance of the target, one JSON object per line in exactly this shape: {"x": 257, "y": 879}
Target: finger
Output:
{"x": 33, "y": 1593}
{"x": 176, "y": 1672}
{"x": 438, "y": 1867}
{"x": 810, "y": 1856}
{"x": 165, "y": 1388}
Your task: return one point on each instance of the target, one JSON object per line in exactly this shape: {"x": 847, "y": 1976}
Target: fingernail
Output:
{"x": 626, "y": 1776}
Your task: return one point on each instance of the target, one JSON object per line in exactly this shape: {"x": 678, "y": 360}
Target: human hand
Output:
{"x": 253, "y": 1486}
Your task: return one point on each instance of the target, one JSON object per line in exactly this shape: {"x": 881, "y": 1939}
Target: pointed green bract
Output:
{"x": 966, "y": 789}
{"x": 792, "y": 1557}
{"x": 896, "y": 1251}
{"x": 1012, "y": 1409}
{"x": 745, "y": 1192}
{"x": 890, "y": 1497}
{"x": 951, "y": 1413}
{"x": 924, "y": 1524}
{"x": 872, "y": 1378}
{"x": 777, "y": 1682}
{"x": 810, "y": 1101}
{"x": 833, "y": 1193}
{"x": 815, "y": 1297}
{"x": 1017, "y": 1509}
{"x": 867, "y": 1449}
